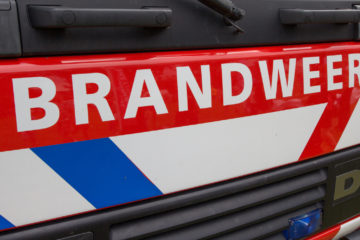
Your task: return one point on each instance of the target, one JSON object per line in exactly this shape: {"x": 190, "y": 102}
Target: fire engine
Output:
{"x": 187, "y": 119}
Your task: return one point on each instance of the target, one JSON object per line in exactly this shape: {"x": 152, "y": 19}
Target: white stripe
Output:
{"x": 351, "y": 134}
{"x": 185, "y": 157}
{"x": 348, "y": 228}
{"x": 31, "y": 191}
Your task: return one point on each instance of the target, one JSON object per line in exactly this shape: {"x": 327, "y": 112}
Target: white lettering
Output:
{"x": 82, "y": 99}
{"x": 24, "y": 104}
{"x": 186, "y": 78}
{"x": 354, "y": 70}
{"x": 308, "y": 75}
{"x": 145, "y": 76}
{"x": 331, "y": 72}
{"x": 227, "y": 69}
{"x": 287, "y": 86}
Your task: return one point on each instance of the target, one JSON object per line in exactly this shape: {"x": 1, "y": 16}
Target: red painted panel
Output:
{"x": 121, "y": 70}
{"x": 326, "y": 235}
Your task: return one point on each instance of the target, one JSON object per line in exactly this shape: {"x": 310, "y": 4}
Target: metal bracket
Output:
{"x": 228, "y": 9}
{"x": 232, "y": 23}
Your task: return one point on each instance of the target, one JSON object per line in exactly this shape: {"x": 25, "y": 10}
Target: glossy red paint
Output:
{"x": 338, "y": 231}
{"x": 121, "y": 69}
{"x": 326, "y": 235}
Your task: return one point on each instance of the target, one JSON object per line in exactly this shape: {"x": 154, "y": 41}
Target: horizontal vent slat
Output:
{"x": 211, "y": 209}
{"x": 246, "y": 217}
{"x": 267, "y": 228}
{"x": 278, "y": 236}
{"x": 224, "y": 223}
{"x": 215, "y": 191}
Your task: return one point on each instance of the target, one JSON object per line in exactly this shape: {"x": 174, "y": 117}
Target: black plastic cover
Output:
{"x": 353, "y": 236}
{"x": 10, "y": 45}
{"x": 194, "y": 26}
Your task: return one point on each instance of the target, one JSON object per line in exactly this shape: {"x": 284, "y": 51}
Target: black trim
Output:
{"x": 54, "y": 17}
{"x": 60, "y": 27}
{"x": 353, "y": 236}
{"x": 10, "y": 45}
{"x": 194, "y": 26}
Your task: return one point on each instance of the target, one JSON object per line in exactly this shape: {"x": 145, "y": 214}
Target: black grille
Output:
{"x": 268, "y": 208}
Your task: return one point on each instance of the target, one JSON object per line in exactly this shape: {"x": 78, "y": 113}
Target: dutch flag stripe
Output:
{"x": 4, "y": 224}
{"x": 31, "y": 191}
{"x": 99, "y": 171}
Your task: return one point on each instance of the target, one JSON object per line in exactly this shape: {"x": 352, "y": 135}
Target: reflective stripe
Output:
{"x": 185, "y": 157}
{"x": 338, "y": 231}
{"x": 99, "y": 171}
{"x": 351, "y": 134}
{"x": 4, "y": 224}
{"x": 348, "y": 228}
{"x": 31, "y": 191}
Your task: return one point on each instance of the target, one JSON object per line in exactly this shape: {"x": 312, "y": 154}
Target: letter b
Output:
{"x": 24, "y": 104}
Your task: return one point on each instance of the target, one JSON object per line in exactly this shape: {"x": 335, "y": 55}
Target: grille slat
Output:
{"x": 237, "y": 209}
{"x": 267, "y": 228}
{"x": 275, "y": 237}
{"x": 245, "y": 218}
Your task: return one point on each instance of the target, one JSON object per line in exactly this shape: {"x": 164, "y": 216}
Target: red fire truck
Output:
{"x": 186, "y": 119}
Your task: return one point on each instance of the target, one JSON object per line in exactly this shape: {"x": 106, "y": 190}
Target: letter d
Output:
{"x": 227, "y": 69}
{"x": 340, "y": 189}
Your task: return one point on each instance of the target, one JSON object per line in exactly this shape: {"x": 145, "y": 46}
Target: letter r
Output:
{"x": 82, "y": 99}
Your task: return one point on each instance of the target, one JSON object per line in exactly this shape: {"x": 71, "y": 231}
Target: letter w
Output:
{"x": 287, "y": 85}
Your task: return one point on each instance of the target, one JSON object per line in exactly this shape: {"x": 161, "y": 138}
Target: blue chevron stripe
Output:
{"x": 99, "y": 171}
{"x": 4, "y": 224}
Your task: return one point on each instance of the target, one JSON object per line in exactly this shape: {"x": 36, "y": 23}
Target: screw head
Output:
{"x": 68, "y": 18}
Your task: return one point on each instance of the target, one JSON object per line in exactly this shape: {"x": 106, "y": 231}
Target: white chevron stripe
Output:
{"x": 351, "y": 134}
{"x": 348, "y": 228}
{"x": 31, "y": 191}
{"x": 185, "y": 157}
